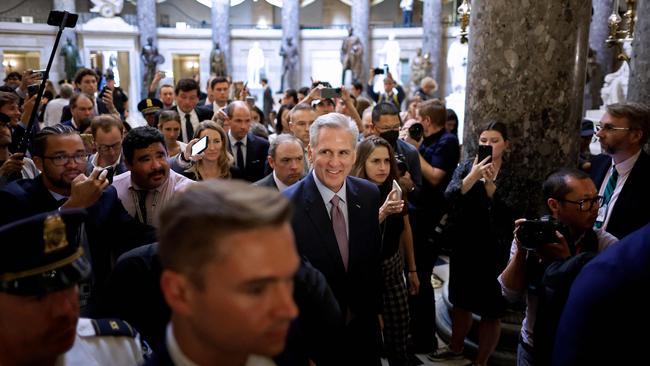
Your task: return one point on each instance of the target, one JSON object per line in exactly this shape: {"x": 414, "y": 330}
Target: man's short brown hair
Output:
{"x": 434, "y": 109}
{"x": 75, "y": 98}
{"x": 106, "y": 122}
{"x": 637, "y": 115}
{"x": 84, "y": 72}
{"x": 194, "y": 222}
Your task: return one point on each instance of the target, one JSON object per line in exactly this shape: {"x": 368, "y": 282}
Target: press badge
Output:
{"x": 602, "y": 212}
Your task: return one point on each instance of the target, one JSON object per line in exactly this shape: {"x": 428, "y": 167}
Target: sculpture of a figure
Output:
{"x": 390, "y": 53}
{"x": 107, "y": 8}
{"x": 457, "y": 64}
{"x": 151, "y": 59}
{"x": 352, "y": 56}
{"x": 594, "y": 80}
{"x": 218, "y": 65}
{"x": 71, "y": 58}
{"x": 615, "y": 87}
{"x": 255, "y": 65}
{"x": 420, "y": 67}
{"x": 289, "y": 53}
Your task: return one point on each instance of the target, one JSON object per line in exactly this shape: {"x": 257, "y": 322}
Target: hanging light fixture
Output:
{"x": 621, "y": 30}
{"x": 463, "y": 12}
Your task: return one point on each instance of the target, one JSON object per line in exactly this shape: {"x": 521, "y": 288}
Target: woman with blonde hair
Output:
{"x": 215, "y": 161}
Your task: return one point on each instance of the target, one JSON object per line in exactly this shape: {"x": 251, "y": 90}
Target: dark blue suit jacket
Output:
{"x": 605, "y": 320}
{"x": 632, "y": 208}
{"x": 257, "y": 149}
{"x": 358, "y": 290}
{"x": 111, "y": 230}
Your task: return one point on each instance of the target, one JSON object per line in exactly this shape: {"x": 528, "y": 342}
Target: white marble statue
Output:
{"x": 255, "y": 65}
{"x": 457, "y": 64}
{"x": 107, "y": 8}
{"x": 389, "y": 55}
{"x": 615, "y": 86}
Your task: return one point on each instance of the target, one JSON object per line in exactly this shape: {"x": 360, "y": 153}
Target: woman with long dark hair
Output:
{"x": 483, "y": 223}
{"x": 376, "y": 163}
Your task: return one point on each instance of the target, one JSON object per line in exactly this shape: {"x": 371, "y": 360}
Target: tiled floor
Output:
{"x": 442, "y": 271}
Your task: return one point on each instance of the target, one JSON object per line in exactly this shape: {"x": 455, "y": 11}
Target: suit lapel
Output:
{"x": 317, "y": 213}
{"x": 355, "y": 216}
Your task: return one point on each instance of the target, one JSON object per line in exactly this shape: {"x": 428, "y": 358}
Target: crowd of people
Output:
{"x": 298, "y": 235}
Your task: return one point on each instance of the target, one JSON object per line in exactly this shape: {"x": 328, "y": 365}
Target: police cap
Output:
{"x": 150, "y": 105}
{"x": 41, "y": 254}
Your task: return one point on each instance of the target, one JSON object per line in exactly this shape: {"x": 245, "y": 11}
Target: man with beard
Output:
{"x": 59, "y": 154}
{"x": 40, "y": 268}
{"x": 623, "y": 173}
{"x": 149, "y": 184}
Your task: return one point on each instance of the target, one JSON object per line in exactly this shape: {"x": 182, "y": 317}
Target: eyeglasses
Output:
{"x": 609, "y": 127}
{"x": 63, "y": 159}
{"x": 115, "y": 147}
{"x": 586, "y": 204}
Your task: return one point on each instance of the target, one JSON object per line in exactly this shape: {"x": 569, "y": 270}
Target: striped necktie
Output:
{"x": 607, "y": 194}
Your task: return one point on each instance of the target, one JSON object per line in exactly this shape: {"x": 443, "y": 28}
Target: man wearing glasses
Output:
{"x": 544, "y": 275}
{"x": 623, "y": 172}
{"x": 59, "y": 153}
{"x": 107, "y": 133}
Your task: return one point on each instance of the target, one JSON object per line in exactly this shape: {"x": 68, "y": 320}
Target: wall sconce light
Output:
{"x": 621, "y": 30}
{"x": 464, "y": 11}
{"x": 9, "y": 64}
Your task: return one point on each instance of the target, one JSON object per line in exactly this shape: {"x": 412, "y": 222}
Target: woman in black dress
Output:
{"x": 481, "y": 235}
{"x": 376, "y": 163}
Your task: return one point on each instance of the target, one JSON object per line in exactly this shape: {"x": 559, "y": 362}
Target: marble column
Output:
{"x": 527, "y": 69}
{"x": 220, "y": 13}
{"x": 598, "y": 33}
{"x": 432, "y": 31}
{"x": 291, "y": 29}
{"x": 639, "y": 84}
{"x": 360, "y": 24}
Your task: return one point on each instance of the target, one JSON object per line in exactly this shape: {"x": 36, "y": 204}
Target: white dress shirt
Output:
{"x": 194, "y": 118}
{"x": 623, "y": 168}
{"x": 233, "y": 147}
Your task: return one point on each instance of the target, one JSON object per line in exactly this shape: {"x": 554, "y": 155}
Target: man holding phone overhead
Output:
{"x": 146, "y": 188}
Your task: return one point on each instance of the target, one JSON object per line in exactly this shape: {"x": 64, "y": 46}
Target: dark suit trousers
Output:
{"x": 423, "y": 305}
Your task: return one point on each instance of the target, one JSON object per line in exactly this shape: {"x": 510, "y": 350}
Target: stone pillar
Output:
{"x": 360, "y": 24}
{"x": 639, "y": 84}
{"x": 221, "y": 29}
{"x": 527, "y": 69}
{"x": 291, "y": 29}
{"x": 432, "y": 31}
{"x": 598, "y": 33}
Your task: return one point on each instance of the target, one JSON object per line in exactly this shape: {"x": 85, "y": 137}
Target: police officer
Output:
{"x": 150, "y": 107}
{"x": 41, "y": 264}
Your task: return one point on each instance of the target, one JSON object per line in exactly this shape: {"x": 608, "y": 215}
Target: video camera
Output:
{"x": 532, "y": 234}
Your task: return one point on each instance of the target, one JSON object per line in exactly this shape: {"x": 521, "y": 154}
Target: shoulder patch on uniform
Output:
{"x": 113, "y": 327}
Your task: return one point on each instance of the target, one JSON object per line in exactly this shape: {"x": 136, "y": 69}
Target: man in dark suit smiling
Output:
{"x": 336, "y": 229}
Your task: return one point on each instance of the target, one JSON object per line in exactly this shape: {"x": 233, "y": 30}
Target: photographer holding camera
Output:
{"x": 547, "y": 254}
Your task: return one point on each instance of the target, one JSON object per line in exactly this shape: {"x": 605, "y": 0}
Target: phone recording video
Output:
{"x": 397, "y": 194}
{"x": 32, "y": 90}
{"x": 483, "y": 152}
{"x": 330, "y": 93}
{"x": 378, "y": 71}
{"x": 200, "y": 146}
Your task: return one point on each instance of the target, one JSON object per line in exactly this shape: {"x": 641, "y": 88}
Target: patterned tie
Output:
{"x": 240, "y": 155}
{"x": 188, "y": 127}
{"x": 340, "y": 230}
{"x": 607, "y": 194}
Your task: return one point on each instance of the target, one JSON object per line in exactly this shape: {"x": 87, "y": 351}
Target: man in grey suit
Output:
{"x": 286, "y": 159}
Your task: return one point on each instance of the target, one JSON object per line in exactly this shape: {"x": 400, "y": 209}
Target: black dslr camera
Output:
{"x": 416, "y": 131}
{"x": 534, "y": 233}
{"x": 402, "y": 167}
